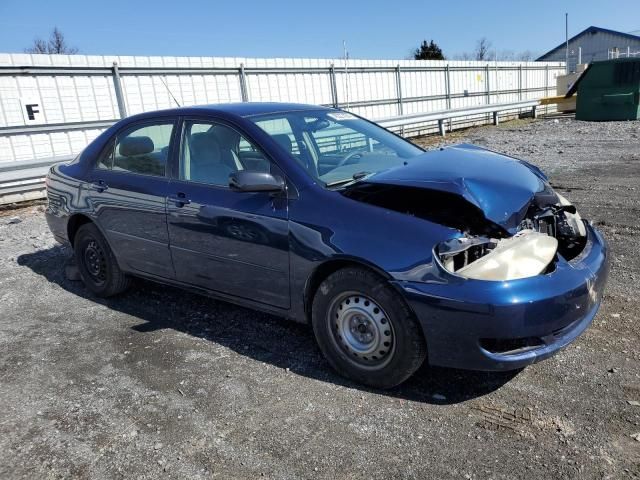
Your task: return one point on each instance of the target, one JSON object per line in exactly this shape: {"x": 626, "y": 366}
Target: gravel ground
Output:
{"x": 162, "y": 383}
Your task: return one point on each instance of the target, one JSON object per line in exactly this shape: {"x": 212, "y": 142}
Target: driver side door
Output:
{"x": 234, "y": 243}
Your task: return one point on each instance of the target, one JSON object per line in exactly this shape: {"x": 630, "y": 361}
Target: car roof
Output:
{"x": 245, "y": 109}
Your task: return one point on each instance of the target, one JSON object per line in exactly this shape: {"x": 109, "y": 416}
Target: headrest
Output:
{"x": 284, "y": 141}
{"x": 205, "y": 144}
{"x": 130, "y": 146}
{"x": 194, "y": 138}
{"x": 227, "y": 137}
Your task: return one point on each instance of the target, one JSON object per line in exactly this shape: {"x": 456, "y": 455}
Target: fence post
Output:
{"x": 334, "y": 89}
{"x": 243, "y": 84}
{"x": 486, "y": 73}
{"x": 447, "y": 86}
{"x": 399, "y": 90}
{"x": 546, "y": 86}
{"x": 520, "y": 82}
{"x": 486, "y": 69}
{"x": 496, "y": 87}
{"x": 117, "y": 85}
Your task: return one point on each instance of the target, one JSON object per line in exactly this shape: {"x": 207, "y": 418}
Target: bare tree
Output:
{"x": 506, "y": 55}
{"x": 39, "y": 46}
{"x": 484, "y": 52}
{"x": 482, "y": 49}
{"x": 55, "y": 45}
{"x": 466, "y": 56}
{"x": 525, "y": 56}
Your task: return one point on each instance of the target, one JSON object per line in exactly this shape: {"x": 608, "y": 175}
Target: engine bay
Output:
{"x": 526, "y": 243}
{"x": 540, "y": 237}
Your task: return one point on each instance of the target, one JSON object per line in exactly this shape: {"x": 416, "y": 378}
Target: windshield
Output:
{"x": 334, "y": 146}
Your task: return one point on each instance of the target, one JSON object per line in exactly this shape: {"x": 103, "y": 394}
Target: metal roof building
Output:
{"x": 593, "y": 44}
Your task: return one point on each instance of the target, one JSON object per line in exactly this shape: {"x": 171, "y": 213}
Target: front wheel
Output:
{"x": 97, "y": 265}
{"x": 365, "y": 329}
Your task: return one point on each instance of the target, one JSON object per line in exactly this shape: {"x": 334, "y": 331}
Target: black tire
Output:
{"x": 385, "y": 325}
{"x": 97, "y": 265}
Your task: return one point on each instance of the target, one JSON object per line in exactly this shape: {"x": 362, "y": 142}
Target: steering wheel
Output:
{"x": 349, "y": 156}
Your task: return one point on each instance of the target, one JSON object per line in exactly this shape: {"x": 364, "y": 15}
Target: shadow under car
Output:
{"x": 260, "y": 336}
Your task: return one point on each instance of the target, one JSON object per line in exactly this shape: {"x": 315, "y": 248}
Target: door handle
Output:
{"x": 98, "y": 186}
{"x": 180, "y": 199}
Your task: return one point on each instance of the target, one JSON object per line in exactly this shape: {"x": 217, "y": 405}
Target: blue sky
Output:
{"x": 304, "y": 28}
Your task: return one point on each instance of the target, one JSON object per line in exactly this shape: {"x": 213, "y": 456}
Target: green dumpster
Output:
{"x": 610, "y": 90}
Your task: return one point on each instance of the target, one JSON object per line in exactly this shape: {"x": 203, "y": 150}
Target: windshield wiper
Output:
{"x": 355, "y": 177}
{"x": 359, "y": 175}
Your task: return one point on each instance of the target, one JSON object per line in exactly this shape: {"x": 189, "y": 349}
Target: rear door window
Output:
{"x": 143, "y": 149}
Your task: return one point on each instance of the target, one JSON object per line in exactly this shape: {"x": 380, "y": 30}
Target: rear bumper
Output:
{"x": 57, "y": 215}
{"x": 59, "y": 195}
{"x": 58, "y": 227}
{"x": 481, "y": 325}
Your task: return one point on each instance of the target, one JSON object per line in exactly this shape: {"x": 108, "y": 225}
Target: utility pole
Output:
{"x": 566, "y": 34}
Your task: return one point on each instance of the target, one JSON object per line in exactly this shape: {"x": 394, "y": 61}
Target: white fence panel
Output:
{"x": 64, "y": 90}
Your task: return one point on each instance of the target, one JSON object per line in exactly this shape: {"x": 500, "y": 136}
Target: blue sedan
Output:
{"x": 461, "y": 256}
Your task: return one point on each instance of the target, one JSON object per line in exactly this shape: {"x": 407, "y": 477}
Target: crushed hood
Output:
{"x": 500, "y": 186}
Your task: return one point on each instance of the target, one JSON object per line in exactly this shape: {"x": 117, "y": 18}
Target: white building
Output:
{"x": 595, "y": 44}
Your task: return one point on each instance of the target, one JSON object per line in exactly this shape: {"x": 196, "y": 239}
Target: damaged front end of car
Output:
{"x": 510, "y": 223}
{"x": 546, "y": 231}
{"x": 517, "y": 274}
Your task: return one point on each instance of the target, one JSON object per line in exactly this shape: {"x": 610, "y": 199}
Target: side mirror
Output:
{"x": 248, "y": 181}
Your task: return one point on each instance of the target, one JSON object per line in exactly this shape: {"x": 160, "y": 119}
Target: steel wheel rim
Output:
{"x": 95, "y": 261}
{"x": 362, "y": 330}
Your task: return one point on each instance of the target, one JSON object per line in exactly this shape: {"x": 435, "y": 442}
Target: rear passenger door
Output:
{"x": 127, "y": 192}
{"x": 235, "y": 243}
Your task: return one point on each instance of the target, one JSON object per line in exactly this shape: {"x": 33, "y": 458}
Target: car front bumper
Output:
{"x": 484, "y": 325}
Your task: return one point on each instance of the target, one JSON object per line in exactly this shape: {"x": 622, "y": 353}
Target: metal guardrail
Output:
{"x": 20, "y": 181}
{"x": 443, "y": 115}
{"x": 25, "y": 180}
{"x": 54, "y": 127}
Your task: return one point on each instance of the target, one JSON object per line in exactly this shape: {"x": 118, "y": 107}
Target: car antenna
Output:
{"x": 167, "y": 87}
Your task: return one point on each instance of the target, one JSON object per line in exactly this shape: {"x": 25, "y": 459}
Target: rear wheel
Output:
{"x": 365, "y": 329}
{"x": 97, "y": 265}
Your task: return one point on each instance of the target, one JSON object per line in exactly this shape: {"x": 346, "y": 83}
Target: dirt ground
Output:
{"x": 160, "y": 383}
